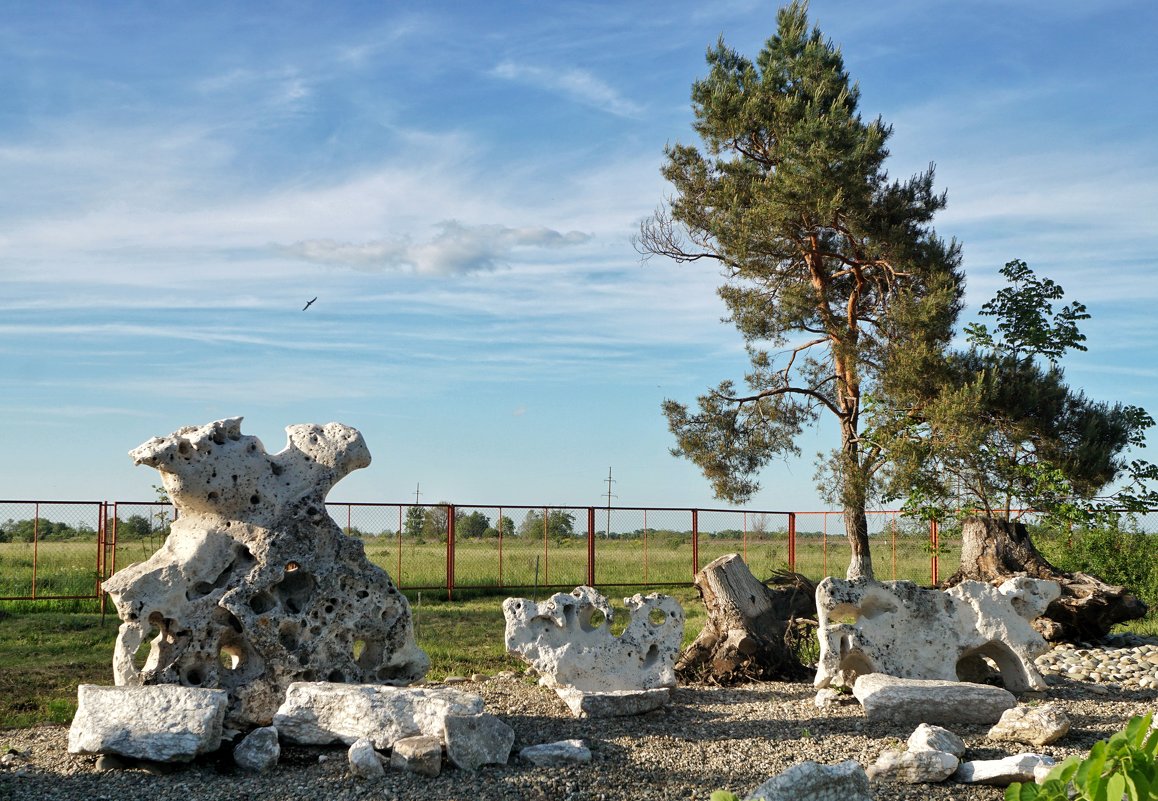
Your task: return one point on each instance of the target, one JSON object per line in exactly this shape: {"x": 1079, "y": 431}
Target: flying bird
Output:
{"x": 308, "y": 304}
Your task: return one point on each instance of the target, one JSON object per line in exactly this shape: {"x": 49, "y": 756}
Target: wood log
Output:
{"x": 994, "y": 550}
{"x": 750, "y": 630}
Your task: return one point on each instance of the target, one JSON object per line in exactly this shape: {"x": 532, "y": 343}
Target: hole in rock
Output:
{"x": 262, "y": 602}
{"x": 595, "y": 620}
{"x": 255, "y": 499}
{"x": 362, "y": 594}
{"x": 656, "y": 617}
{"x": 193, "y": 677}
{"x": 219, "y": 437}
{"x": 329, "y": 609}
{"x": 275, "y": 468}
{"x": 370, "y": 654}
{"x": 287, "y": 635}
{"x": 141, "y": 655}
{"x": 336, "y": 676}
{"x": 230, "y": 659}
{"x": 295, "y": 590}
{"x": 243, "y": 554}
{"x": 309, "y": 675}
{"x": 651, "y": 656}
{"x": 212, "y": 497}
{"x": 183, "y": 448}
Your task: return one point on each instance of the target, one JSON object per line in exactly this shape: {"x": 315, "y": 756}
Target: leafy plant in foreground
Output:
{"x": 1124, "y": 766}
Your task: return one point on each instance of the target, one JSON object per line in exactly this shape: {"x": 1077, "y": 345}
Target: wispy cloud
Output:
{"x": 456, "y": 249}
{"x": 576, "y": 84}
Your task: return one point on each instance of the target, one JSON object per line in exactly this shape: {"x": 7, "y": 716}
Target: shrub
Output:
{"x": 1124, "y": 766}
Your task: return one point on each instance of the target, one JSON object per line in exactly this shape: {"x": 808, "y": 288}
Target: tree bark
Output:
{"x": 750, "y": 628}
{"x": 993, "y": 550}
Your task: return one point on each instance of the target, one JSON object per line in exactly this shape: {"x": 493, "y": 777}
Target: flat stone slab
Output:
{"x": 1002, "y": 772}
{"x": 811, "y": 781}
{"x": 615, "y": 703}
{"x": 557, "y": 754}
{"x": 914, "y": 767}
{"x": 942, "y": 703}
{"x": 321, "y": 713}
{"x": 161, "y": 723}
{"x": 1034, "y": 725}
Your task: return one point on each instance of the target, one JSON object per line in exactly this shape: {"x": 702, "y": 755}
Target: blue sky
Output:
{"x": 458, "y": 184}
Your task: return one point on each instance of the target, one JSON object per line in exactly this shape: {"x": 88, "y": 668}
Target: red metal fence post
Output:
{"x": 450, "y": 552}
{"x": 591, "y": 545}
{"x": 934, "y": 535}
{"x": 792, "y": 541}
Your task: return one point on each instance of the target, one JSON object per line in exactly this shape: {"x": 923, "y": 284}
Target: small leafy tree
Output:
{"x": 833, "y": 274}
{"x": 998, "y": 428}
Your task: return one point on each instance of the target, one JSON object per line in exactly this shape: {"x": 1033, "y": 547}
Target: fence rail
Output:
{"x": 64, "y": 550}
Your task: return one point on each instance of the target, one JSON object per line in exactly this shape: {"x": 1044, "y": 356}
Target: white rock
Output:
{"x": 562, "y": 641}
{"x": 1001, "y": 772}
{"x": 936, "y": 738}
{"x": 259, "y": 751}
{"x": 911, "y": 701}
{"x": 256, "y": 586}
{"x": 1035, "y": 725}
{"x": 914, "y": 767}
{"x": 365, "y": 763}
{"x": 476, "y": 740}
{"x": 613, "y": 704}
{"x": 810, "y": 781}
{"x": 1041, "y": 773}
{"x": 830, "y": 696}
{"x": 422, "y": 755}
{"x": 904, "y": 630}
{"x": 319, "y": 713}
{"x": 162, "y": 723}
{"x": 557, "y": 754}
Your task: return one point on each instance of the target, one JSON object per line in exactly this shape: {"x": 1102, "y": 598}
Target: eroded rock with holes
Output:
{"x": 256, "y": 587}
{"x": 898, "y": 628}
{"x": 567, "y": 639}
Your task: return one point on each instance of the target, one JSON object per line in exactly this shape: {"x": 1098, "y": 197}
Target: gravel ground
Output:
{"x": 708, "y": 738}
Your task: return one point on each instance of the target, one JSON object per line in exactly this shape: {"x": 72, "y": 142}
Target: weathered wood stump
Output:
{"x": 751, "y": 627}
{"x": 994, "y": 550}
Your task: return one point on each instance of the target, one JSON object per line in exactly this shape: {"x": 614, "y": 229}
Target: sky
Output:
{"x": 458, "y": 184}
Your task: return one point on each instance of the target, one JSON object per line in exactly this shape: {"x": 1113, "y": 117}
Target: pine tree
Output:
{"x": 832, "y": 274}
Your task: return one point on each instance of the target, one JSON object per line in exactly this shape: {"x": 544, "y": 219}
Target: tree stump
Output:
{"x": 750, "y": 628}
{"x": 994, "y": 550}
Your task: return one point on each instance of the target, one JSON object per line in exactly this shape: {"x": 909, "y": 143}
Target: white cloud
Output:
{"x": 576, "y": 84}
{"x": 455, "y": 250}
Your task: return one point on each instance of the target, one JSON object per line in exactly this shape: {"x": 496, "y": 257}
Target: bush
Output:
{"x": 1124, "y": 766}
{"x": 1111, "y": 552}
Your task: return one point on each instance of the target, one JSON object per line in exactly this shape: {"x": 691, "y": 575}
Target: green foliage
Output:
{"x": 474, "y": 525}
{"x": 1112, "y": 551}
{"x": 834, "y": 276}
{"x": 723, "y": 795}
{"x": 41, "y": 530}
{"x": 998, "y": 430}
{"x": 1124, "y": 766}
{"x": 559, "y": 524}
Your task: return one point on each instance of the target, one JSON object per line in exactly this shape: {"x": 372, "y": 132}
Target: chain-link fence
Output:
{"x": 58, "y": 550}
{"x": 47, "y": 550}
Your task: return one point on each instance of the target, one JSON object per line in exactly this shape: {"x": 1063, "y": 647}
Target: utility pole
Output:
{"x": 610, "y": 481}
{"x": 417, "y": 492}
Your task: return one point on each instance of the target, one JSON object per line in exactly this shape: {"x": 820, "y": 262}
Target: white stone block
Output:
{"x": 476, "y": 740}
{"x": 162, "y": 723}
{"x": 936, "y": 738}
{"x": 911, "y": 701}
{"x": 258, "y": 751}
{"x": 365, "y": 762}
{"x": 557, "y": 754}
{"x": 421, "y": 755}
{"x": 1034, "y": 725}
{"x": 1001, "y": 772}
{"x": 811, "y": 781}
{"x": 913, "y": 767}
{"x": 319, "y": 713}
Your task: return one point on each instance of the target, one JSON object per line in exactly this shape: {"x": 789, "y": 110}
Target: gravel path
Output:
{"x": 709, "y": 738}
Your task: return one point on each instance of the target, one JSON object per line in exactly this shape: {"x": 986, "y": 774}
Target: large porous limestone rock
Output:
{"x": 568, "y": 641}
{"x": 898, "y": 628}
{"x": 256, "y": 587}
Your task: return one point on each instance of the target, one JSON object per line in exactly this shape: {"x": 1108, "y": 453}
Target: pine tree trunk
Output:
{"x": 860, "y": 564}
{"x": 994, "y": 550}
{"x": 750, "y": 626}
